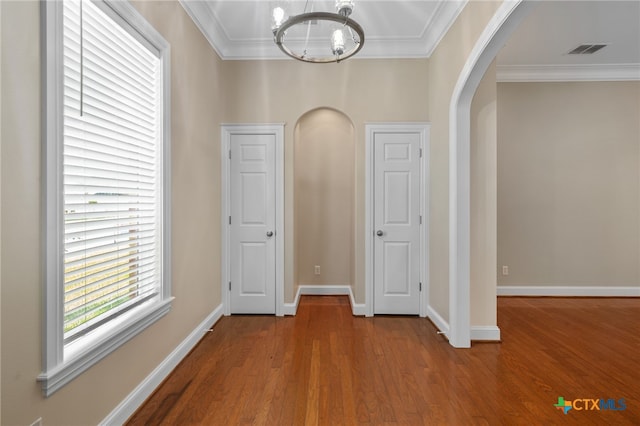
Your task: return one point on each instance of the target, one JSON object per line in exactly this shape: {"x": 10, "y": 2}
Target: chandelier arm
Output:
{"x": 306, "y": 41}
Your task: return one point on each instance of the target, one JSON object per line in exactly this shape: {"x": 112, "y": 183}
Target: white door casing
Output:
{"x": 396, "y": 249}
{"x": 252, "y": 219}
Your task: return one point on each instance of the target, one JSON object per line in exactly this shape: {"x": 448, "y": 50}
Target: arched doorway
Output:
{"x": 498, "y": 30}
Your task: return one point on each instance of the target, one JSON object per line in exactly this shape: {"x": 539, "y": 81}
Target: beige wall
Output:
{"x": 365, "y": 90}
{"x": 324, "y": 197}
{"x": 205, "y": 93}
{"x": 483, "y": 201}
{"x": 569, "y": 183}
{"x": 197, "y": 100}
{"x": 444, "y": 68}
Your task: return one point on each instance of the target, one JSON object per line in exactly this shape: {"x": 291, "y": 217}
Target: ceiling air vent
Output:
{"x": 586, "y": 49}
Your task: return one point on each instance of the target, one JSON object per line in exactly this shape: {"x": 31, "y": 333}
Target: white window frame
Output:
{"x": 60, "y": 368}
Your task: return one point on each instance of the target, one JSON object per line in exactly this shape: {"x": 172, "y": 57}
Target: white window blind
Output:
{"x": 111, "y": 169}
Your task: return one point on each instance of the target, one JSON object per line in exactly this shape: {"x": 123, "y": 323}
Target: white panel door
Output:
{"x": 396, "y": 223}
{"x": 252, "y": 229}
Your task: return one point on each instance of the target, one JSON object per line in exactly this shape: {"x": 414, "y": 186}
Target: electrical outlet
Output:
{"x": 505, "y": 270}
{"x": 316, "y": 270}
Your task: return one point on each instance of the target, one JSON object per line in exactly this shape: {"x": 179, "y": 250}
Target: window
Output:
{"x": 106, "y": 148}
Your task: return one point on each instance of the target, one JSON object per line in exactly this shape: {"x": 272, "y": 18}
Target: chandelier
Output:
{"x": 317, "y": 37}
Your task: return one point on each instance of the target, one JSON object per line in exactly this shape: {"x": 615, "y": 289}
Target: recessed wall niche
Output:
{"x": 324, "y": 192}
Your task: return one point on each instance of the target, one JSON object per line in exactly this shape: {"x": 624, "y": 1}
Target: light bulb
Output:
{"x": 337, "y": 42}
{"x": 278, "y": 17}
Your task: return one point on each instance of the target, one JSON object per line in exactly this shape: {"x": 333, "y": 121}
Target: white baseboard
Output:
{"x": 292, "y": 308}
{"x": 485, "y": 333}
{"x": 139, "y": 395}
{"x": 559, "y": 291}
{"x": 438, "y": 321}
{"x": 324, "y": 290}
{"x": 357, "y": 309}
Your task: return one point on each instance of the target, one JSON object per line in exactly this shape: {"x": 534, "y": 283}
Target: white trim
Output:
{"x": 138, "y": 396}
{"x": 292, "y": 308}
{"x": 324, "y": 290}
{"x": 56, "y": 370}
{"x": 441, "y": 324}
{"x": 201, "y": 16}
{"x": 276, "y": 129}
{"x": 569, "y": 291}
{"x": 52, "y": 194}
{"x": 445, "y": 15}
{"x": 357, "y": 309}
{"x": 594, "y": 72}
{"x": 485, "y": 333}
{"x": 103, "y": 342}
{"x": 424, "y": 129}
{"x": 502, "y": 24}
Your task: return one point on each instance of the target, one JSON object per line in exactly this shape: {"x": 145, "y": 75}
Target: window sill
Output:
{"x": 88, "y": 353}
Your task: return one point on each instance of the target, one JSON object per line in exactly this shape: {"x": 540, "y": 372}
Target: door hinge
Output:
{"x": 229, "y": 285}
{"x": 229, "y": 154}
{"x": 420, "y": 152}
{"x": 419, "y": 286}
{"x": 420, "y": 219}
{"x": 229, "y": 220}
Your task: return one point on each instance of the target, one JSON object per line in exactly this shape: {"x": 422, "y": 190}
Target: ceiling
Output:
{"x": 538, "y": 48}
{"x": 241, "y": 29}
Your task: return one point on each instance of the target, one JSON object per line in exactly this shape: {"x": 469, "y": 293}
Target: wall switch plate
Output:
{"x": 316, "y": 270}
{"x": 505, "y": 270}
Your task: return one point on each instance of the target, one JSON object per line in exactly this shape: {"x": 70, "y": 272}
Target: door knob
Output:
{"x": 269, "y": 233}
{"x": 379, "y": 233}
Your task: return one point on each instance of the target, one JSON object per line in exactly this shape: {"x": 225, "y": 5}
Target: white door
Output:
{"x": 252, "y": 227}
{"x": 396, "y": 180}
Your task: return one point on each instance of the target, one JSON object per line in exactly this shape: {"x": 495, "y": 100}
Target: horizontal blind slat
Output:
{"x": 92, "y": 282}
{"x": 97, "y": 239}
{"x": 78, "y": 172}
{"x": 89, "y": 311}
{"x": 105, "y": 82}
{"x": 92, "y": 311}
{"x": 110, "y": 286}
{"x": 99, "y": 230}
{"x": 142, "y": 249}
{"x": 102, "y": 136}
{"x": 89, "y": 269}
{"x": 82, "y": 251}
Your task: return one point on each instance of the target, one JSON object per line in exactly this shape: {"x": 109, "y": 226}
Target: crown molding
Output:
{"x": 421, "y": 46}
{"x": 446, "y": 14}
{"x": 202, "y": 16}
{"x": 557, "y": 73}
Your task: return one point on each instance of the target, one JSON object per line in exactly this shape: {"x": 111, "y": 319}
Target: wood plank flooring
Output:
{"x": 326, "y": 367}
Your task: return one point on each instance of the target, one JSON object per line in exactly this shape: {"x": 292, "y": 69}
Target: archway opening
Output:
{"x": 497, "y": 32}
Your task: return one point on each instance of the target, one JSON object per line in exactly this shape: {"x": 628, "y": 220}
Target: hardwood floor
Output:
{"x": 326, "y": 367}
